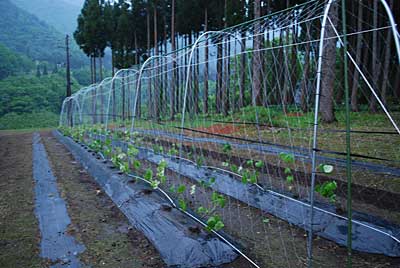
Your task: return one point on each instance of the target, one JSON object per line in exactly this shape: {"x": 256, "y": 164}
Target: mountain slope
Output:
{"x": 60, "y": 14}
{"x": 12, "y": 63}
{"x": 26, "y": 34}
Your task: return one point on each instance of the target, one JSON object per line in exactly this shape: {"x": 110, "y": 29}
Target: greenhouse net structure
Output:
{"x": 246, "y": 130}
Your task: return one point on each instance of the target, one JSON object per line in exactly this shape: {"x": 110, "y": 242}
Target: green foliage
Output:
{"x": 200, "y": 161}
{"x": 327, "y": 189}
{"x": 327, "y": 169}
{"x": 13, "y": 64}
{"x": 96, "y": 146}
{"x": 173, "y": 150}
{"x": 249, "y": 176}
{"x": 39, "y": 119}
{"x": 215, "y": 223}
{"x": 132, "y": 151}
{"x": 182, "y": 204}
{"x": 259, "y": 164}
{"x": 218, "y": 199}
{"x": 207, "y": 184}
{"x": 226, "y": 148}
{"x": 24, "y": 95}
{"x": 287, "y": 158}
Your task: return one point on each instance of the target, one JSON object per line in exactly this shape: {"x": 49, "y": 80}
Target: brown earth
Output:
{"x": 19, "y": 231}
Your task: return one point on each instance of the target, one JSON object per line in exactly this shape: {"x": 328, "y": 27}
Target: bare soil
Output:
{"x": 19, "y": 230}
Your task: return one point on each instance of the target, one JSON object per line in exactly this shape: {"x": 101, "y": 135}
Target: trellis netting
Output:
{"x": 231, "y": 127}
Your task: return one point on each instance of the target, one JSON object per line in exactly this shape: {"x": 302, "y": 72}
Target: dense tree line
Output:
{"x": 137, "y": 29}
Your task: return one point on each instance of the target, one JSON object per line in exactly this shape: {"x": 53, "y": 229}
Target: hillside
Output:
{"x": 28, "y": 97}
{"x": 60, "y": 14}
{"x": 12, "y": 63}
{"x": 26, "y": 34}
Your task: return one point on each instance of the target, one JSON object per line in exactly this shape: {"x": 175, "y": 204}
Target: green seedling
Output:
{"x": 161, "y": 170}
{"x": 148, "y": 175}
{"x": 250, "y": 163}
{"x": 182, "y": 204}
{"x": 200, "y": 161}
{"x": 124, "y": 167}
{"x": 249, "y": 176}
{"x": 259, "y": 164}
{"x": 214, "y": 223}
{"x": 181, "y": 189}
{"x": 173, "y": 150}
{"x": 287, "y": 158}
{"x": 327, "y": 190}
{"x": 289, "y": 175}
{"x": 218, "y": 200}
{"x": 234, "y": 168}
{"x": 132, "y": 151}
{"x": 136, "y": 164}
{"x": 265, "y": 220}
{"x": 207, "y": 184}
{"x": 226, "y": 148}
{"x": 327, "y": 169}
{"x": 203, "y": 211}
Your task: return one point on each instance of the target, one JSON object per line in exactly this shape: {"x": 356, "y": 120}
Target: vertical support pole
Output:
{"x": 315, "y": 133}
{"x": 348, "y": 145}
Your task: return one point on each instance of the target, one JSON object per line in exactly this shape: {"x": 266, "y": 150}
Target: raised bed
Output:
{"x": 166, "y": 227}
{"x": 327, "y": 223}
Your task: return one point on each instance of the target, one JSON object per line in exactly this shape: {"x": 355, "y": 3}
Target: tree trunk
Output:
{"x": 205, "y": 96}
{"x": 91, "y": 70}
{"x": 386, "y": 69}
{"x": 94, "y": 97}
{"x": 328, "y": 70}
{"x": 196, "y": 71}
{"x": 242, "y": 70}
{"x": 396, "y": 88}
{"x": 356, "y": 74}
{"x": 156, "y": 77}
{"x": 304, "y": 82}
{"x": 149, "y": 84}
{"x": 375, "y": 74}
{"x": 257, "y": 96}
{"x": 218, "y": 91}
{"x": 173, "y": 79}
{"x": 102, "y": 112}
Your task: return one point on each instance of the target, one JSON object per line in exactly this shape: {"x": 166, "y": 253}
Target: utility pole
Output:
{"x": 69, "y": 93}
{"x": 68, "y": 67}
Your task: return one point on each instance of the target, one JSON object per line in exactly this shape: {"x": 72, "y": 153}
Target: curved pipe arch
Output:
{"x": 67, "y": 100}
{"x": 317, "y": 100}
{"x": 189, "y": 66}
{"x": 138, "y": 84}
{"x": 112, "y": 83}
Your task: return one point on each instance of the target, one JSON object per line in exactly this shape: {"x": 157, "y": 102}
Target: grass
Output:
{"x": 36, "y": 120}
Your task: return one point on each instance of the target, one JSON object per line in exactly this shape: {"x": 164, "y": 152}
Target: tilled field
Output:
{"x": 109, "y": 239}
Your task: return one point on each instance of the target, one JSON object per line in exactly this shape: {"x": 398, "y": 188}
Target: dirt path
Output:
{"x": 19, "y": 232}
{"x": 96, "y": 221}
